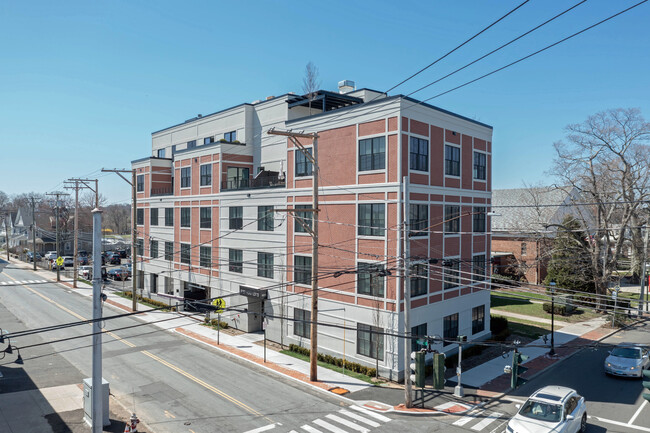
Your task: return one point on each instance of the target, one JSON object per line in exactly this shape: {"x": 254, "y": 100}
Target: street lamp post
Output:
{"x": 552, "y": 351}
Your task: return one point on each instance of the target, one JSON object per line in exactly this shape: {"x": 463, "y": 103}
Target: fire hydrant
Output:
{"x": 134, "y": 423}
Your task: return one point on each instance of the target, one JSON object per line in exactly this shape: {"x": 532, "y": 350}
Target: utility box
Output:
{"x": 88, "y": 405}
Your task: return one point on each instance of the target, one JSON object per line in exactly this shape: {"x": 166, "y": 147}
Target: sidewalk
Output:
{"x": 483, "y": 382}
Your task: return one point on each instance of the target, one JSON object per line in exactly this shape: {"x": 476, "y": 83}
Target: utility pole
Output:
{"x": 33, "y": 231}
{"x": 96, "y": 401}
{"x": 313, "y": 157}
{"x": 76, "y": 187}
{"x": 643, "y": 272}
{"x": 134, "y": 236}
{"x": 408, "y": 399}
{"x": 57, "y": 194}
{"x": 7, "y": 215}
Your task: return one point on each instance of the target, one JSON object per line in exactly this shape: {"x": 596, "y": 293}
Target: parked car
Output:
{"x": 82, "y": 260}
{"x": 118, "y": 274}
{"x": 68, "y": 261}
{"x": 627, "y": 359}
{"x": 82, "y": 253}
{"x": 114, "y": 259}
{"x": 123, "y": 253}
{"x": 551, "y": 409}
{"x": 127, "y": 268}
{"x": 85, "y": 272}
{"x": 51, "y": 255}
{"x": 54, "y": 266}
{"x": 30, "y": 256}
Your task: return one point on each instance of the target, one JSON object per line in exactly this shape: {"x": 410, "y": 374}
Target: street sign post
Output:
{"x": 220, "y": 305}
{"x": 59, "y": 261}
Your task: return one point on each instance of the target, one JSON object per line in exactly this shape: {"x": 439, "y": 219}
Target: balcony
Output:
{"x": 156, "y": 192}
{"x": 259, "y": 181}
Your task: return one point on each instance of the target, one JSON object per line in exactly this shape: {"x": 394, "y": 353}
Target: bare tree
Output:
{"x": 606, "y": 159}
{"x": 310, "y": 82}
{"x": 118, "y": 218}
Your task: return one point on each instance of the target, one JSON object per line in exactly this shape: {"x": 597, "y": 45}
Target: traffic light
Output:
{"x": 417, "y": 369}
{"x": 517, "y": 369}
{"x": 438, "y": 370}
{"x": 646, "y": 384}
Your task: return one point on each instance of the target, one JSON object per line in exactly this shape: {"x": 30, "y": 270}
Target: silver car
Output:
{"x": 627, "y": 359}
{"x": 549, "y": 410}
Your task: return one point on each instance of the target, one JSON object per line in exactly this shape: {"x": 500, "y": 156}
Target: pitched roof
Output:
{"x": 527, "y": 209}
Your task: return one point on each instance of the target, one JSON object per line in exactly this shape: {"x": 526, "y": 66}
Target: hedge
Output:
{"x": 332, "y": 360}
{"x": 149, "y": 301}
{"x": 499, "y": 328}
{"x": 559, "y": 308}
{"x": 216, "y": 323}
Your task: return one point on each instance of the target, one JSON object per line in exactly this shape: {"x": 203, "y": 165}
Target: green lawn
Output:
{"x": 330, "y": 366}
{"x": 518, "y": 305}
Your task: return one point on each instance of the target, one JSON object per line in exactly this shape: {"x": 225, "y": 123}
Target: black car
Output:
{"x": 114, "y": 259}
{"x": 123, "y": 253}
{"x": 118, "y": 274}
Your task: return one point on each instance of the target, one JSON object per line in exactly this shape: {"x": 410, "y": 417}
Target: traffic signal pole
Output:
{"x": 408, "y": 399}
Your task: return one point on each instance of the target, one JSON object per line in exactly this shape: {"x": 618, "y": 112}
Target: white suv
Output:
{"x": 51, "y": 255}
{"x": 551, "y": 409}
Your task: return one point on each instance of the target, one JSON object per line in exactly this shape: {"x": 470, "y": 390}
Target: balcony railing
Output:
{"x": 253, "y": 183}
{"x": 162, "y": 191}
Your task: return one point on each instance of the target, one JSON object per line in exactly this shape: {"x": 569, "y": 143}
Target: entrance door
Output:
{"x": 254, "y": 314}
{"x": 154, "y": 283}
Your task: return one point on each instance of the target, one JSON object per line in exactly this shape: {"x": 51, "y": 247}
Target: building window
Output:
{"x": 480, "y": 166}
{"x": 370, "y": 341}
{"x": 206, "y": 174}
{"x": 186, "y": 177}
{"x": 372, "y": 154}
{"x": 265, "y": 217}
{"x": 418, "y": 219}
{"x": 303, "y": 163}
{"x": 238, "y": 177}
{"x": 191, "y": 144}
{"x": 186, "y": 254}
{"x": 154, "y": 249}
{"x": 230, "y": 136}
{"x": 478, "y": 319}
{"x": 235, "y": 217}
{"x": 302, "y": 269}
{"x": 186, "y": 217}
{"x": 161, "y": 153}
{"x": 370, "y": 279}
{"x": 419, "y": 278}
{"x": 139, "y": 216}
{"x": 169, "y": 251}
{"x": 169, "y": 217}
{"x": 153, "y": 216}
{"x": 524, "y": 248}
{"x": 265, "y": 265}
{"x": 208, "y": 140}
{"x": 418, "y": 332}
{"x": 302, "y": 219}
{"x": 452, "y": 160}
{"x": 452, "y": 219}
{"x": 139, "y": 247}
{"x": 302, "y": 323}
{"x": 139, "y": 183}
{"x": 205, "y": 256}
{"x": 450, "y": 329}
{"x": 478, "y": 220}
{"x": 419, "y": 153}
{"x": 205, "y": 215}
{"x": 479, "y": 267}
{"x": 372, "y": 219}
{"x": 235, "y": 260}
{"x": 451, "y": 272}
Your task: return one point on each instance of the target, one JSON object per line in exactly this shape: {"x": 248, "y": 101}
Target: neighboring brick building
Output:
{"x": 210, "y": 196}
{"x": 521, "y": 240}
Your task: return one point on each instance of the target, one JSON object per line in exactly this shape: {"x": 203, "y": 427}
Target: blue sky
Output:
{"x": 83, "y": 84}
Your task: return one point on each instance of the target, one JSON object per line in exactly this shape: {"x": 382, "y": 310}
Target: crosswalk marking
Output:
{"x": 347, "y": 423}
{"x": 486, "y": 421}
{"x": 310, "y": 429}
{"x": 467, "y": 418}
{"x": 353, "y": 415}
{"x": 328, "y": 426}
{"x": 370, "y": 413}
{"x": 262, "y": 429}
{"x": 3, "y": 283}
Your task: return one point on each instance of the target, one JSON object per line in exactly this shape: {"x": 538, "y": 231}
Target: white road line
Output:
{"x": 42, "y": 281}
{"x": 31, "y": 282}
{"x": 328, "y": 426}
{"x": 500, "y": 427}
{"x": 467, "y": 418}
{"x": 638, "y": 411}
{"x": 347, "y": 423}
{"x": 359, "y": 418}
{"x": 261, "y": 429}
{"x": 621, "y": 424}
{"x": 486, "y": 421}
{"x": 310, "y": 429}
{"x": 370, "y": 413}
{"x": 3, "y": 283}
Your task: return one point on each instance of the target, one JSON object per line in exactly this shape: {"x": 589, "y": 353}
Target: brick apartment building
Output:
{"x": 210, "y": 224}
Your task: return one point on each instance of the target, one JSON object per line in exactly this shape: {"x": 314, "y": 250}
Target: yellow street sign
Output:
{"x": 220, "y": 303}
{"x": 59, "y": 261}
